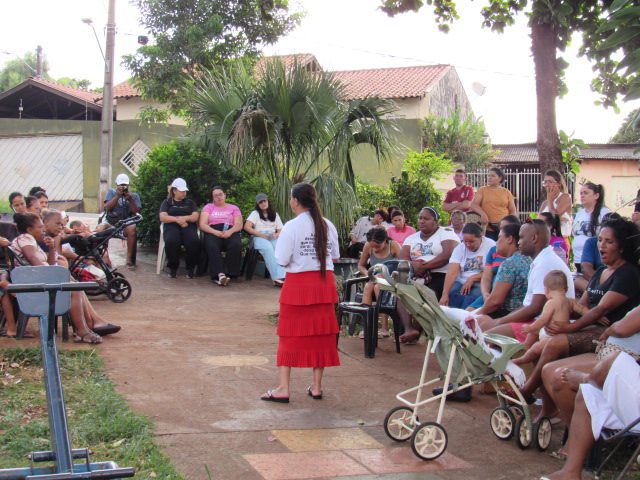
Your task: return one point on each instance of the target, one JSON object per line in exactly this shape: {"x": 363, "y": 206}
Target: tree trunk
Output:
{"x": 543, "y": 46}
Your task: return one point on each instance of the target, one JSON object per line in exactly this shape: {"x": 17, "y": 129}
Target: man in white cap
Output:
{"x": 120, "y": 204}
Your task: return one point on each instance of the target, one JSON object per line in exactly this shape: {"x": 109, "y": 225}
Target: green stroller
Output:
{"x": 465, "y": 360}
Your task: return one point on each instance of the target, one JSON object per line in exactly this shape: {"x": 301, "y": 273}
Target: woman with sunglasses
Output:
{"x": 264, "y": 224}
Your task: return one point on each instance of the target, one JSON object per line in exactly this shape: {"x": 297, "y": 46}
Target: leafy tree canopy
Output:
{"x": 602, "y": 36}
{"x": 627, "y": 133}
{"x": 81, "y": 84}
{"x": 192, "y": 36}
{"x": 18, "y": 70}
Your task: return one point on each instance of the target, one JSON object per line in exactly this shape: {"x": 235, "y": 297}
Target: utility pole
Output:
{"x": 39, "y": 62}
{"x": 106, "y": 128}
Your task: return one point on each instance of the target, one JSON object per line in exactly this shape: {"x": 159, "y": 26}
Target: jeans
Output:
{"x": 457, "y": 300}
{"x": 267, "y": 249}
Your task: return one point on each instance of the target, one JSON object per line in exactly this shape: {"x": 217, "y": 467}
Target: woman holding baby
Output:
{"x": 613, "y": 291}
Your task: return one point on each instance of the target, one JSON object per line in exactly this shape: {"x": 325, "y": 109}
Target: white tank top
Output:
{"x": 565, "y": 219}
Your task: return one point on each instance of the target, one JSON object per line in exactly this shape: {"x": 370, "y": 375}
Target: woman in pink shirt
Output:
{"x": 221, "y": 224}
{"x": 400, "y": 229}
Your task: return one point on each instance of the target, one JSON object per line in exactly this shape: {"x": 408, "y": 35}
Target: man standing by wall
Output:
{"x": 459, "y": 197}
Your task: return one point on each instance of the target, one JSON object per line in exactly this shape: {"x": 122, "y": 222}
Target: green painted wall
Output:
{"x": 364, "y": 160}
{"x": 125, "y": 133}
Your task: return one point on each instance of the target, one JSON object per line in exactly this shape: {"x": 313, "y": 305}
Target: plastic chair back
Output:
{"x": 37, "y": 303}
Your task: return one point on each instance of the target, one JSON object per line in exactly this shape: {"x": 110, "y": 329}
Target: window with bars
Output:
{"x": 135, "y": 156}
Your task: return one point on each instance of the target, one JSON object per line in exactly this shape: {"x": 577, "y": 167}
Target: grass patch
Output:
{"x": 5, "y": 207}
{"x": 98, "y": 417}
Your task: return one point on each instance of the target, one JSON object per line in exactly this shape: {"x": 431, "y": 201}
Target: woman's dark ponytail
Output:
{"x": 595, "y": 215}
{"x": 306, "y": 195}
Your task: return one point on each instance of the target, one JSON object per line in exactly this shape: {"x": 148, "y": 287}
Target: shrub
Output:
{"x": 371, "y": 197}
{"x": 179, "y": 159}
{"x": 414, "y": 189}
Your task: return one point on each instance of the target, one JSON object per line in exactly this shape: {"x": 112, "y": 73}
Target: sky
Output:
{"x": 347, "y": 35}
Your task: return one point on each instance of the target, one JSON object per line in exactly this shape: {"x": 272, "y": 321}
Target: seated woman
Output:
{"x": 428, "y": 251}
{"x": 26, "y": 248}
{"x": 564, "y": 379}
{"x": 462, "y": 282}
{"x": 17, "y": 202}
{"x": 265, "y": 226}
{"x": 400, "y": 230}
{"x": 491, "y": 265}
{"x": 179, "y": 215}
{"x": 458, "y": 219}
{"x": 612, "y": 291}
{"x": 556, "y": 241}
{"x": 378, "y": 249}
{"x": 54, "y": 229}
{"x": 510, "y": 285}
{"x": 221, "y": 223}
{"x": 6, "y": 305}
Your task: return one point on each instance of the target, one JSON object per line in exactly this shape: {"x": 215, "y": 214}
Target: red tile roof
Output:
{"x": 125, "y": 90}
{"x": 403, "y": 82}
{"x": 82, "y": 95}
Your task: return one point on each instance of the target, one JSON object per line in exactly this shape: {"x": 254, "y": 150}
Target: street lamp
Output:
{"x": 106, "y": 126}
{"x": 33, "y": 70}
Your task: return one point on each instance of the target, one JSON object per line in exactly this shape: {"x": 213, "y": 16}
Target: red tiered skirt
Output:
{"x": 307, "y": 325}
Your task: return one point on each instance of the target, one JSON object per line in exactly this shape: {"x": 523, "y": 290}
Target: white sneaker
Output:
{"x": 223, "y": 280}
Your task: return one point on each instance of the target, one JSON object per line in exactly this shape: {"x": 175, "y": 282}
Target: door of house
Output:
{"x": 50, "y": 161}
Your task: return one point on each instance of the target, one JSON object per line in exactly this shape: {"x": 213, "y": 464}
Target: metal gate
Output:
{"x": 525, "y": 184}
{"x": 51, "y": 161}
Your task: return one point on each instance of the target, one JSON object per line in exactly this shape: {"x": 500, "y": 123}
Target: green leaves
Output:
{"x": 289, "y": 124}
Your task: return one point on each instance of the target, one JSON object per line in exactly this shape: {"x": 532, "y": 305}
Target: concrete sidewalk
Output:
{"x": 196, "y": 357}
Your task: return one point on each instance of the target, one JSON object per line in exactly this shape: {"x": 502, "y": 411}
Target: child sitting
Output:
{"x": 557, "y": 309}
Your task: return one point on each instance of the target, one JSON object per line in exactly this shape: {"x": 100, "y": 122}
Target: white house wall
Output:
{"x": 50, "y": 161}
{"x": 129, "y": 109}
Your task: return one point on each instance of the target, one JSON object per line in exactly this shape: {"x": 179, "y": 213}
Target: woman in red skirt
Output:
{"x": 307, "y": 325}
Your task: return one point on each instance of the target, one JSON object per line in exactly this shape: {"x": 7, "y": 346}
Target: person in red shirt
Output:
{"x": 459, "y": 197}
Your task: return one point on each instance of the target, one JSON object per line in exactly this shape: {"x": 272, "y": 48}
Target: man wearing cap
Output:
{"x": 120, "y": 204}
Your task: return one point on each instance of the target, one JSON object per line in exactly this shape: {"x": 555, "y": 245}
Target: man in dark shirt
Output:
{"x": 118, "y": 205}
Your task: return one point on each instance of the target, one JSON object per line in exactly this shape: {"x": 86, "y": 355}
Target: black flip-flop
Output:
{"x": 268, "y": 397}
{"x": 107, "y": 329}
{"x": 315, "y": 397}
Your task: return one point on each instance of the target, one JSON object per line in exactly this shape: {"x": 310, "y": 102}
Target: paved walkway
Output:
{"x": 196, "y": 357}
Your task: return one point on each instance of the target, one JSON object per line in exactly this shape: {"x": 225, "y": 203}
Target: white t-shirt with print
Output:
{"x": 582, "y": 231}
{"x": 470, "y": 262}
{"x": 430, "y": 248}
{"x": 265, "y": 226}
{"x": 295, "y": 249}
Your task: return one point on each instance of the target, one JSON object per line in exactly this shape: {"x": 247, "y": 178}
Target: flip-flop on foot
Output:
{"x": 268, "y": 397}
{"x": 315, "y": 397}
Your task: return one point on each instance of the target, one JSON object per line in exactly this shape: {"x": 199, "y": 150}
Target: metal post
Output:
{"x": 61, "y": 445}
{"x": 106, "y": 129}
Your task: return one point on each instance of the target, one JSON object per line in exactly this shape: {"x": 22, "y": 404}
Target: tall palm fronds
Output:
{"x": 290, "y": 125}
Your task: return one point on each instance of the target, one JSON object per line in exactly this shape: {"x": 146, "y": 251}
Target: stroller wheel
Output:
{"x": 524, "y": 435}
{"x": 503, "y": 423}
{"x": 117, "y": 274}
{"x": 398, "y": 425}
{"x": 517, "y": 411}
{"x": 542, "y": 433}
{"x": 119, "y": 290}
{"x": 429, "y": 441}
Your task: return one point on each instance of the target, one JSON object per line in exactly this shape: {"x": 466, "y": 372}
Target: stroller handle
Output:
{"x": 125, "y": 222}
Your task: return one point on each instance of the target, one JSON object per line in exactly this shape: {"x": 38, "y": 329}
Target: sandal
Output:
{"x": 90, "y": 338}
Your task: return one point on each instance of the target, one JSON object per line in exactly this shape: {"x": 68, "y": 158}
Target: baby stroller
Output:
{"x": 92, "y": 248}
{"x": 466, "y": 360}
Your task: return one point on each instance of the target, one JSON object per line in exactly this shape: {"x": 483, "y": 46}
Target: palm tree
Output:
{"x": 290, "y": 125}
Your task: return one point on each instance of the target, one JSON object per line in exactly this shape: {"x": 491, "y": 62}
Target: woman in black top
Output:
{"x": 180, "y": 217}
{"x": 614, "y": 290}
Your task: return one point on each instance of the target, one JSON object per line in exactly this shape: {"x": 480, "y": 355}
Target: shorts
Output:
{"x": 516, "y": 328}
{"x": 618, "y": 403}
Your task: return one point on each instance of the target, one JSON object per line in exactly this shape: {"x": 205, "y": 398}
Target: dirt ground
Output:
{"x": 195, "y": 358}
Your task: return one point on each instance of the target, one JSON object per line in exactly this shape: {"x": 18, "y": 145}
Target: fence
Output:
{"x": 525, "y": 184}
